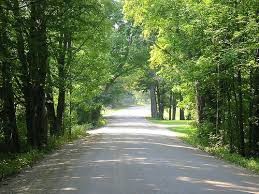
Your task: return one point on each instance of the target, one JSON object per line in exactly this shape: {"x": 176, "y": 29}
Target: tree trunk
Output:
{"x": 182, "y": 117}
{"x": 200, "y": 103}
{"x": 64, "y": 46}
{"x": 240, "y": 115}
{"x": 230, "y": 126}
{"x": 38, "y": 55}
{"x": 153, "y": 101}
{"x": 170, "y": 105}
{"x": 251, "y": 119}
{"x": 174, "y": 106}
{"x": 8, "y": 113}
{"x": 160, "y": 102}
{"x": 25, "y": 76}
{"x": 255, "y": 118}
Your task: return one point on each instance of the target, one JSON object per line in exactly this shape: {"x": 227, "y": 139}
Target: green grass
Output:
{"x": 188, "y": 134}
{"x": 178, "y": 126}
{"x": 11, "y": 164}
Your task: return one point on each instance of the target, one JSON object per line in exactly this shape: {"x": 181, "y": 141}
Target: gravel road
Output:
{"x": 132, "y": 156}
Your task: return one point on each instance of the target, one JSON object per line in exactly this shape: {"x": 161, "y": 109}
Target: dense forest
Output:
{"x": 62, "y": 61}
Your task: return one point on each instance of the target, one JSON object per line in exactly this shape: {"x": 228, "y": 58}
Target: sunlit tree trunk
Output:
{"x": 153, "y": 101}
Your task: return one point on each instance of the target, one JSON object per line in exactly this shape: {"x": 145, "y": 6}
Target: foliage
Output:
{"x": 207, "y": 52}
{"x": 13, "y": 163}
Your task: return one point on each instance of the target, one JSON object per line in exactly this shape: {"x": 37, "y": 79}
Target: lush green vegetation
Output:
{"x": 12, "y": 163}
{"x": 61, "y": 63}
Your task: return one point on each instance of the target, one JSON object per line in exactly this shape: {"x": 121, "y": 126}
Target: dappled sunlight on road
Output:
{"x": 132, "y": 156}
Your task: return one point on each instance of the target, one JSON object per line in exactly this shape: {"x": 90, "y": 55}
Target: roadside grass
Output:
{"x": 188, "y": 133}
{"x": 183, "y": 127}
{"x": 11, "y": 164}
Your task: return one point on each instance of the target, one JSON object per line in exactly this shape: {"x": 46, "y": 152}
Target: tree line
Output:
{"x": 58, "y": 61}
{"x": 205, "y": 53}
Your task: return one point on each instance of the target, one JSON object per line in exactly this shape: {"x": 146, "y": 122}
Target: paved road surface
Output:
{"x": 132, "y": 156}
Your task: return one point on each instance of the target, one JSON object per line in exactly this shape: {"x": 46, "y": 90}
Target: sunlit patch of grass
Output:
{"x": 183, "y": 129}
{"x": 179, "y": 126}
{"x": 170, "y": 122}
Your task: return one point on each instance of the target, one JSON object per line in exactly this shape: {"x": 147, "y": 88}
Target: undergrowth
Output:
{"x": 11, "y": 164}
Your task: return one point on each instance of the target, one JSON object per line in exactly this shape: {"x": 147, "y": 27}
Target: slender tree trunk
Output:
{"x": 200, "y": 103}
{"x": 174, "y": 106}
{"x": 251, "y": 120}
{"x": 160, "y": 102}
{"x": 230, "y": 126}
{"x": 65, "y": 46}
{"x": 170, "y": 105}
{"x": 182, "y": 117}
{"x": 255, "y": 118}
{"x": 240, "y": 115}
{"x": 25, "y": 76}
{"x": 153, "y": 101}
{"x": 60, "y": 111}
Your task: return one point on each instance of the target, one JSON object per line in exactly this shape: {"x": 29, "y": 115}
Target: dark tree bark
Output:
{"x": 174, "y": 106}
{"x": 8, "y": 113}
{"x": 24, "y": 68}
{"x": 160, "y": 101}
{"x": 255, "y": 117}
{"x": 38, "y": 60}
{"x": 182, "y": 117}
{"x": 230, "y": 126}
{"x": 200, "y": 103}
{"x": 241, "y": 146}
{"x": 64, "y": 47}
{"x": 251, "y": 134}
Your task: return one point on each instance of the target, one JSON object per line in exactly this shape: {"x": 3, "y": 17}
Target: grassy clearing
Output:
{"x": 11, "y": 164}
{"x": 189, "y": 135}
